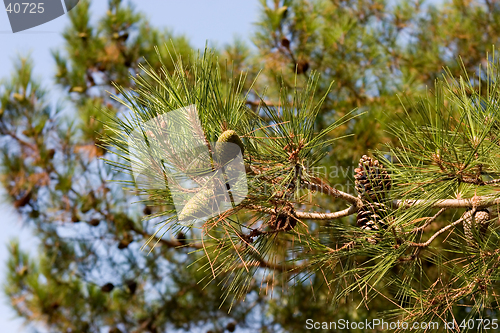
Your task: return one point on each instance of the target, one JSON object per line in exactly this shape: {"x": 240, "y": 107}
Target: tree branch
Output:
{"x": 429, "y": 221}
{"x": 327, "y": 216}
{"x": 22, "y": 142}
{"x": 310, "y": 215}
{"x": 172, "y": 243}
{"x": 479, "y": 202}
{"x": 343, "y": 247}
{"x": 333, "y": 192}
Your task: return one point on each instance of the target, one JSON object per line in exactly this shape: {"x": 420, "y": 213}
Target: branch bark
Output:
{"x": 479, "y": 202}
{"x": 310, "y": 215}
{"x": 327, "y": 216}
{"x": 333, "y": 192}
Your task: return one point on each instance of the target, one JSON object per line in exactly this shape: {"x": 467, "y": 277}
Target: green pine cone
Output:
{"x": 198, "y": 205}
{"x": 208, "y": 201}
{"x": 225, "y": 152}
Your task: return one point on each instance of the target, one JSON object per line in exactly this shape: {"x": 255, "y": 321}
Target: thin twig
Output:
{"x": 173, "y": 243}
{"x": 343, "y": 247}
{"x": 429, "y": 221}
{"x": 439, "y": 232}
{"x": 262, "y": 103}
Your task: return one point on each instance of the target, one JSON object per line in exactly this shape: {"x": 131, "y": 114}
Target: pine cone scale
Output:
{"x": 477, "y": 223}
{"x": 372, "y": 181}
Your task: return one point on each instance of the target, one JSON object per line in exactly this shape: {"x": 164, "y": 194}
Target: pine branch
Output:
{"x": 309, "y": 215}
{"x": 174, "y": 243}
{"x": 333, "y": 192}
{"x": 21, "y": 141}
{"x": 348, "y": 245}
{"x": 327, "y": 216}
{"x": 478, "y": 201}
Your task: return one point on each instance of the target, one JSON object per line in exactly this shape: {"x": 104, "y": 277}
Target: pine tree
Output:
{"x": 292, "y": 250}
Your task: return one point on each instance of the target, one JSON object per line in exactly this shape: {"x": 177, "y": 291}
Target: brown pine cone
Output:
{"x": 372, "y": 181}
{"x": 371, "y": 216}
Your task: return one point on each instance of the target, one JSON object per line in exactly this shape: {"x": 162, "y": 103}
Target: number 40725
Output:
{"x": 25, "y": 7}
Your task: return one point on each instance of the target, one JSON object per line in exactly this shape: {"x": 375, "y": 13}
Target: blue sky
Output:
{"x": 217, "y": 21}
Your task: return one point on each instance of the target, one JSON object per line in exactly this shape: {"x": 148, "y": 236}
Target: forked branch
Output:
{"x": 440, "y": 231}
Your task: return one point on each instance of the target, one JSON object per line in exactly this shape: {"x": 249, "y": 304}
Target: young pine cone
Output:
{"x": 203, "y": 203}
{"x": 371, "y": 180}
{"x": 227, "y": 147}
{"x": 371, "y": 216}
{"x": 480, "y": 222}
